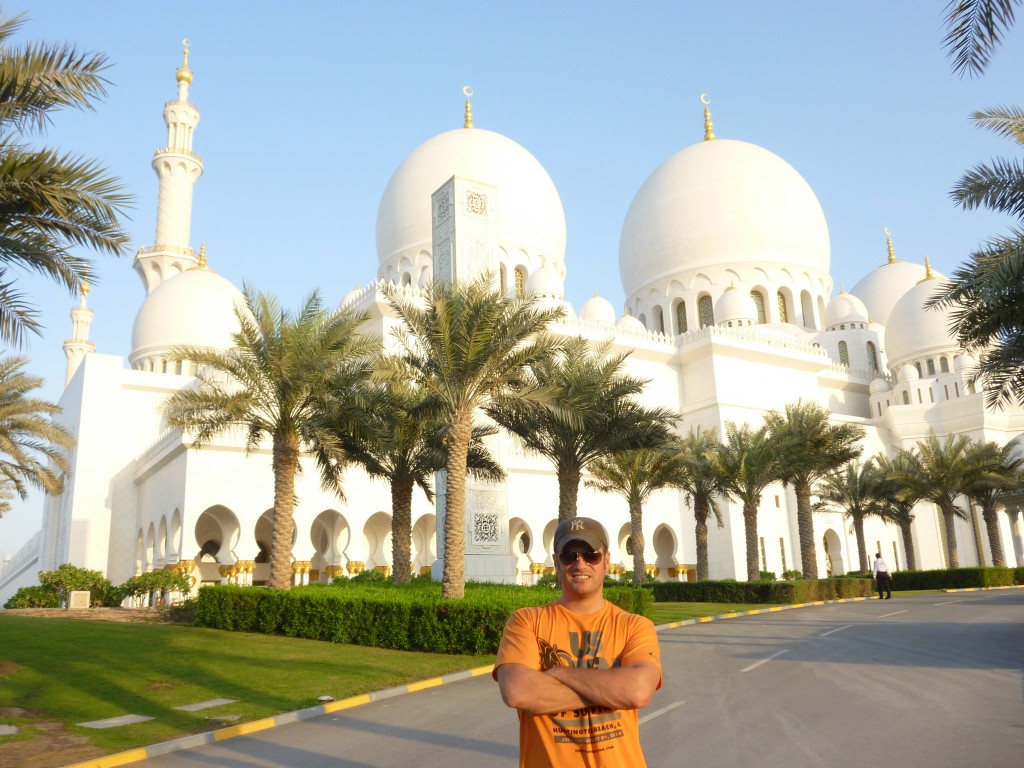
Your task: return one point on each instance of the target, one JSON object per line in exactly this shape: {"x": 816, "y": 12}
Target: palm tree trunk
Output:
{"x": 805, "y": 528}
{"x": 453, "y": 579}
{"x": 908, "y": 546}
{"x": 750, "y": 534}
{"x": 401, "y": 530}
{"x": 862, "y": 547}
{"x": 568, "y": 490}
{"x": 636, "y": 533}
{"x": 700, "y": 514}
{"x": 286, "y": 461}
{"x": 995, "y": 542}
{"x": 949, "y": 517}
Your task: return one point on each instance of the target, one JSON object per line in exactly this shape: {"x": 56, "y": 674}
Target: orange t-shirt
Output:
{"x": 550, "y": 636}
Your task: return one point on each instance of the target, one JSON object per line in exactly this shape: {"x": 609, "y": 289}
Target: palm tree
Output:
{"x": 897, "y": 500}
{"x": 277, "y": 382}
{"x": 469, "y": 347}
{"x": 811, "y": 446}
{"x": 703, "y": 483}
{"x": 594, "y": 414}
{"x": 985, "y": 295}
{"x": 404, "y": 446}
{"x": 854, "y": 489}
{"x": 635, "y": 475}
{"x": 51, "y": 204}
{"x": 32, "y": 445}
{"x": 747, "y": 462}
{"x": 940, "y": 472}
{"x": 1005, "y": 478}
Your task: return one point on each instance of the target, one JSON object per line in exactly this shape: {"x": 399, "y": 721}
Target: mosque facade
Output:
{"x": 724, "y": 260}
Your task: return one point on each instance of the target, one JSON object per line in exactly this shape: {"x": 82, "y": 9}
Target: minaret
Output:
{"x": 177, "y": 167}
{"x": 78, "y": 346}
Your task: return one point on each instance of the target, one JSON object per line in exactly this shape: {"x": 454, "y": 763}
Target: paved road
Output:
{"x": 920, "y": 682}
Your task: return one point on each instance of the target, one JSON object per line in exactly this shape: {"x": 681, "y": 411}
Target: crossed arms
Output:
{"x": 561, "y": 688}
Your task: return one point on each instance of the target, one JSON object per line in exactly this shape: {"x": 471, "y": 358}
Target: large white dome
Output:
{"x": 530, "y": 214}
{"x": 719, "y": 203}
{"x": 195, "y": 308}
{"x": 913, "y": 332}
{"x": 881, "y": 288}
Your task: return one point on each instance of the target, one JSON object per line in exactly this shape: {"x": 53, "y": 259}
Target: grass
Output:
{"x": 78, "y": 671}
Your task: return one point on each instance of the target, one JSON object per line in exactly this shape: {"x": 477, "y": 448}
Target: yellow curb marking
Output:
{"x": 422, "y": 684}
{"x": 351, "y": 701}
{"x": 121, "y": 758}
{"x": 243, "y": 729}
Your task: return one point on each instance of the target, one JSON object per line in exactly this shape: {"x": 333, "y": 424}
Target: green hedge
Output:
{"x": 797, "y": 591}
{"x": 413, "y": 618}
{"x": 958, "y": 578}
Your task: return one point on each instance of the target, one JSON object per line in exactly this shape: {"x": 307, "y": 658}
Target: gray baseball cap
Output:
{"x": 584, "y": 529}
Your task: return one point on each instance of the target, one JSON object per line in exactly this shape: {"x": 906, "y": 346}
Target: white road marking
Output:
{"x": 757, "y": 664}
{"x": 948, "y": 602}
{"x": 661, "y": 711}
{"x": 837, "y": 629}
{"x": 894, "y": 613}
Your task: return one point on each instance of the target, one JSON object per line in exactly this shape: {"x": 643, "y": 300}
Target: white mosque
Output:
{"x": 724, "y": 259}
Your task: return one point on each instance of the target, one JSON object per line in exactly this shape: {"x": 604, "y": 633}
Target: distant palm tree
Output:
{"x": 276, "y": 382}
{"x": 855, "y": 490}
{"x": 469, "y": 347}
{"x": 990, "y": 491}
{"x": 635, "y": 475}
{"x": 595, "y": 412}
{"x": 703, "y": 484}
{"x": 32, "y": 446}
{"x": 405, "y": 446}
{"x": 897, "y": 500}
{"x": 811, "y": 446}
{"x": 747, "y": 462}
{"x": 940, "y": 472}
{"x": 51, "y": 204}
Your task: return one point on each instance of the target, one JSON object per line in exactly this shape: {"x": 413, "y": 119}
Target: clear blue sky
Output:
{"x": 307, "y": 108}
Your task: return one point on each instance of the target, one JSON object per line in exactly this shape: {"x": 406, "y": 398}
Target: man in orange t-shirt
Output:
{"x": 579, "y": 668}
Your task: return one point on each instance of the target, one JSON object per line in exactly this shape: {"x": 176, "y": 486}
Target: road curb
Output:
{"x": 756, "y": 611}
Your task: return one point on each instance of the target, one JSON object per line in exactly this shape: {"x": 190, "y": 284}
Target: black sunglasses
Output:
{"x": 568, "y": 557}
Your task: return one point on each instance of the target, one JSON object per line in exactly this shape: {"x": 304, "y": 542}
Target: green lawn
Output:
{"x": 78, "y": 671}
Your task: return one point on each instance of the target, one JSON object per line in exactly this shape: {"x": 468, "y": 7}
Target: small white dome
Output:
{"x": 530, "y": 211}
{"x": 598, "y": 310}
{"x": 907, "y": 373}
{"x": 915, "y": 332}
{"x": 735, "y": 305}
{"x": 720, "y": 203}
{"x": 884, "y": 286}
{"x": 845, "y": 309}
{"x": 195, "y": 308}
{"x": 880, "y": 385}
{"x": 350, "y": 296}
{"x": 545, "y": 282}
{"x": 630, "y": 324}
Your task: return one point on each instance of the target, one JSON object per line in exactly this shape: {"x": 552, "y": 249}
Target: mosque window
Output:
{"x": 758, "y": 299}
{"x": 782, "y": 548}
{"x": 520, "y": 282}
{"x": 906, "y": 398}
{"x": 764, "y": 558}
{"x": 879, "y": 409}
{"x": 931, "y": 367}
{"x": 643, "y": 319}
{"x": 919, "y": 371}
{"x": 872, "y": 357}
{"x": 705, "y": 311}
{"x": 503, "y": 274}
{"x": 783, "y": 312}
{"x": 659, "y": 319}
{"x": 919, "y": 399}
{"x": 406, "y": 278}
{"x": 944, "y": 365}
{"x": 945, "y": 388}
{"x": 807, "y": 309}
{"x": 681, "y": 317}
{"x": 844, "y": 353}
{"x": 956, "y": 388}
{"x": 931, "y": 395}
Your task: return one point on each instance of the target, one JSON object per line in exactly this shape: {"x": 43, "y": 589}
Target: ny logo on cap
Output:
{"x": 576, "y": 525}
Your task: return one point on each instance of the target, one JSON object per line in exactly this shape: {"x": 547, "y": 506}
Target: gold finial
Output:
{"x": 709, "y": 130}
{"x": 928, "y": 269}
{"x": 84, "y": 290}
{"x": 892, "y": 252}
{"x": 841, "y": 289}
{"x": 467, "y": 91}
{"x": 202, "y": 256}
{"x": 184, "y": 73}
